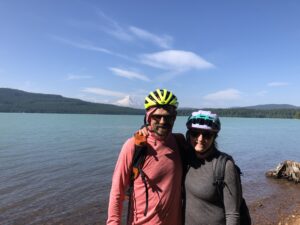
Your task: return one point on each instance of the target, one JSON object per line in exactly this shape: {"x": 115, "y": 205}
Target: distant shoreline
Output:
{"x": 116, "y": 114}
{"x": 18, "y": 101}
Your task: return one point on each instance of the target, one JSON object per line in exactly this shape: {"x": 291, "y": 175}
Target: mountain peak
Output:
{"x": 129, "y": 101}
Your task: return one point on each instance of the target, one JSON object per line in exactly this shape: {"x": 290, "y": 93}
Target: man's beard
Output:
{"x": 163, "y": 130}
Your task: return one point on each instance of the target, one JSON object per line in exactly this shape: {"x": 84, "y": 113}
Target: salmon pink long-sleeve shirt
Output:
{"x": 163, "y": 170}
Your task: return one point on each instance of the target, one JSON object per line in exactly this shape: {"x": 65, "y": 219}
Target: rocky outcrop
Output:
{"x": 288, "y": 169}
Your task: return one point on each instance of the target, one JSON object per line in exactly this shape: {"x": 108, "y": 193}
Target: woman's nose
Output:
{"x": 200, "y": 137}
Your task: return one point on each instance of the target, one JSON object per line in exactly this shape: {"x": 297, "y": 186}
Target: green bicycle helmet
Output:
{"x": 160, "y": 97}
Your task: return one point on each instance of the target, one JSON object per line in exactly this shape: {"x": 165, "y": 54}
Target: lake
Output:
{"x": 57, "y": 168}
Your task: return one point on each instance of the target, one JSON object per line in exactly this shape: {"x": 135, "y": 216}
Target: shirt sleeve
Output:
{"x": 120, "y": 182}
{"x": 232, "y": 194}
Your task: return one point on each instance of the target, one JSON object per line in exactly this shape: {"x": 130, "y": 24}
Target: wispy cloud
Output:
{"x": 176, "y": 60}
{"x": 104, "y": 92}
{"x": 81, "y": 45}
{"x": 164, "y": 41}
{"x": 262, "y": 93}
{"x": 278, "y": 84}
{"x": 169, "y": 75}
{"x": 90, "y": 47}
{"x": 118, "y": 31}
{"x": 129, "y": 74}
{"x": 114, "y": 28}
{"x": 78, "y": 77}
{"x": 224, "y": 95}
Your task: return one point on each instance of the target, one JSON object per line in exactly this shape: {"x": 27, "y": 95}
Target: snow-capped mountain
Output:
{"x": 130, "y": 101}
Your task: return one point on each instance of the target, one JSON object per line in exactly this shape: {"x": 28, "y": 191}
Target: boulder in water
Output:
{"x": 288, "y": 169}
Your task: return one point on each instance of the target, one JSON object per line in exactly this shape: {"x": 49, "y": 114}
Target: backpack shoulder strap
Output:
{"x": 139, "y": 156}
{"x": 219, "y": 165}
{"x": 182, "y": 146}
{"x": 140, "y": 151}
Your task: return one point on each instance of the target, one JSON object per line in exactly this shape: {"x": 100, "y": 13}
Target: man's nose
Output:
{"x": 162, "y": 119}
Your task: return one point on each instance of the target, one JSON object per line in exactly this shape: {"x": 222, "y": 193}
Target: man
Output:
{"x": 160, "y": 201}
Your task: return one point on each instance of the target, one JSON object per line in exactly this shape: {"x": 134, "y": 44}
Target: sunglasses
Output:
{"x": 205, "y": 134}
{"x": 168, "y": 118}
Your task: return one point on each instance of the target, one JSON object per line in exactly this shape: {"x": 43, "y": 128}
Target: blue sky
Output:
{"x": 209, "y": 53}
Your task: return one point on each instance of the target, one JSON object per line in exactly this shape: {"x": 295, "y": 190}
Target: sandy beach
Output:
{"x": 291, "y": 220}
{"x": 267, "y": 212}
{"x": 282, "y": 208}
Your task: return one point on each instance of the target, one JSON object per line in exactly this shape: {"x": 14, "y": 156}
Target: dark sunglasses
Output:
{"x": 168, "y": 118}
{"x": 205, "y": 134}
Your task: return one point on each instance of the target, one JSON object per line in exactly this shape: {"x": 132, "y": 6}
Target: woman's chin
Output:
{"x": 200, "y": 150}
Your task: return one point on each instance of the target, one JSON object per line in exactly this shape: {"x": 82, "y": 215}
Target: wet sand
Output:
{"x": 282, "y": 207}
{"x": 291, "y": 220}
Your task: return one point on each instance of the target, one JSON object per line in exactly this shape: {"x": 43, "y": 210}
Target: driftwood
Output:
{"x": 288, "y": 169}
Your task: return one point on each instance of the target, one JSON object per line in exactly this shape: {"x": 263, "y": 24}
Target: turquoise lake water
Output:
{"x": 57, "y": 168}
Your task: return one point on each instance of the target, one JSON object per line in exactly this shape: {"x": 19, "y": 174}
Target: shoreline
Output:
{"x": 282, "y": 207}
{"x": 278, "y": 215}
{"x": 270, "y": 211}
{"x": 293, "y": 219}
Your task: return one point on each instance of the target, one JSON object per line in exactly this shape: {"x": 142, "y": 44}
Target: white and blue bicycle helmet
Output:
{"x": 204, "y": 120}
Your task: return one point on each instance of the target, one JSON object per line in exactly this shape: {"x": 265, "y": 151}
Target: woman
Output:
{"x": 204, "y": 203}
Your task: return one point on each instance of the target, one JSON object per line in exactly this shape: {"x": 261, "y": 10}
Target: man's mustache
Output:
{"x": 164, "y": 126}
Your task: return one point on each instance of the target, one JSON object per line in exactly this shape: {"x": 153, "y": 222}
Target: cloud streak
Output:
{"x": 278, "y": 84}
{"x": 90, "y": 47}
{"x": 175, "y": 60}
{"x": 224, "y": 95}
{"x": 164, "y": 41}
{"x": 262, "y": 93}
{"x": 114, "y": 29}
{"x": 78, "y": 77}
{"x": 82, "y": 45}
{"x": 129, "y": 74}
{"x": 104, "y": 92}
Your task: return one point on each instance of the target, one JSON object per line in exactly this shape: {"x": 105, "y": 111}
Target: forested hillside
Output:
{"x": 12, "y": 100}
{"x": 255, "y": 113}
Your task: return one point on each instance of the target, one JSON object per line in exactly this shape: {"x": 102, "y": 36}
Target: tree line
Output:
{"x": 253, "y": 113}
{"x": 18, "y": 101}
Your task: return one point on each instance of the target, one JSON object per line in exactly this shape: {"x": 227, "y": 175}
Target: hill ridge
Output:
{"x": 13, "y": 100}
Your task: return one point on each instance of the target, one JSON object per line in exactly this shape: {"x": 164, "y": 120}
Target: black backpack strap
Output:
{"x": 138, "y": 159}
{"x": 182, "y": 146}
{"x": 137, "y": 162}
{"x": 219, "y": 165}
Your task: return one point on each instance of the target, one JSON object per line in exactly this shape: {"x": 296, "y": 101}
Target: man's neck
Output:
{"x": 159, "y": 137}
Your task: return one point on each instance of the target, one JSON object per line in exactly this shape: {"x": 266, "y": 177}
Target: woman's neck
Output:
{"x": 205, "y": 154}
